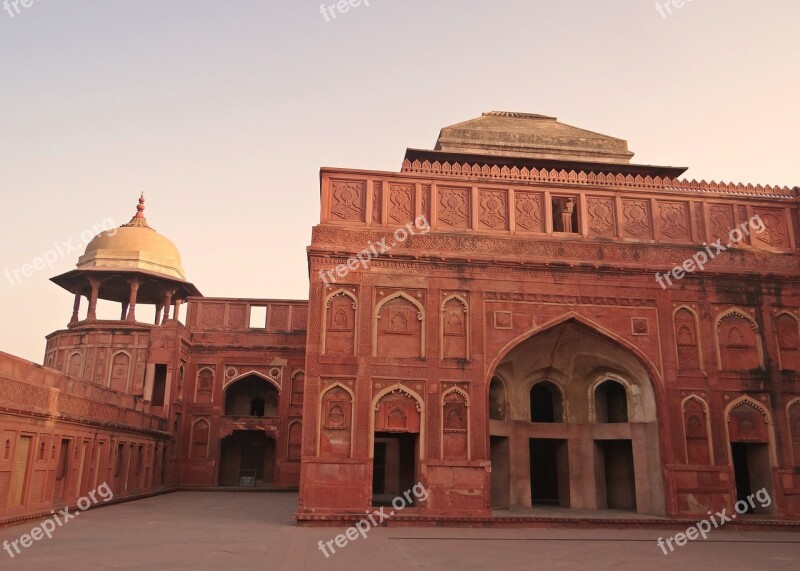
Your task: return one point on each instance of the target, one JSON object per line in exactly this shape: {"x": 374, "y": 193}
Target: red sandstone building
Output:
{"x": 507, "y": 338}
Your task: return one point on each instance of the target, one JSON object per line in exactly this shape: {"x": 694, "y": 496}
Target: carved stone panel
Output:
{"x": 454, "y": 430}
{"x": 299, "y": 318}
{"x": 529, "y": 211}
{"x": 237, "y": 313}
{"x": 738, "y": 344}
{"x": 696, "y": 431}
{"x": 336, "y": 424}
{"x": 401, "y": 203}
{"x": 377, "y": 207}
{"x": 212, "y": 315}
{"x": 341, "y": 325}
{"x": 399, "y": 332}
{"x": 672, "y": 221}
{"x": 747, "y": 424}
{"x": 774, "y": 233}
{"x": 600, "y": 215}
{"x": 493, "y": 209}
{"x": 397, "y": 412}
{"x": 686, "y": 340}
{"x": 454, "y": 208}
{"x": 426, "y": 201}
{"x": 788, "y": 342}
{"x": 721, "y": 222}
{"x": 454, "y": 330}
{"x": 278, "y": 318}
{"x": 636, "y": 219}
{"x": 348, "y": 201}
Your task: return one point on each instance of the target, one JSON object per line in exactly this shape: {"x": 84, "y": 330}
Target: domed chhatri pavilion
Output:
{"x": 131, "y": 264}
{"x": 559, "y": 333}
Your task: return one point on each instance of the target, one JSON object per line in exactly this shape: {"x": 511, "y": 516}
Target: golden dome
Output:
{"x": 134, "y": 246}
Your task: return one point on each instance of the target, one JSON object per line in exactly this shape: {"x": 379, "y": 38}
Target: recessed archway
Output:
{"x": 594, "y": 404}
{"x": 251, "y": 395}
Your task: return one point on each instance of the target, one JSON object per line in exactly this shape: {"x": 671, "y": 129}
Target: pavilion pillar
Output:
{"x": 176, "y": 312}
{"x": 132, "y": 302}
{"x": 76, "y": 307}
{"x": 167, "y": 304}
{"x": 124, "y": 313}
{"x": 159, "y": 307}
{"x": 566, "y": 215}
{"x": 92, "y": 313}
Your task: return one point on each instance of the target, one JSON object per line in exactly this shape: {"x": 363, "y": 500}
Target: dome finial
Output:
{"x": 139, "y": 220}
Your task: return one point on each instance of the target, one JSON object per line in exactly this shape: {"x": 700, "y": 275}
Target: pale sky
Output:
{"x": 223, "y": 113}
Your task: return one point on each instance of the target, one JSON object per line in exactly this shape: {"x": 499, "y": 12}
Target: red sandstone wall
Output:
{"x": 40, "y": 409}
{"x": 222, "y": 349}
{"x": 713, "y": 339}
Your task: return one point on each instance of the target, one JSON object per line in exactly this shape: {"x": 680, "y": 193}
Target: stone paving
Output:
{"x": 213, "y": 530}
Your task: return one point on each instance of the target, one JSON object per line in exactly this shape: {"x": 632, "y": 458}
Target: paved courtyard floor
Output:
{"x": 213, "y": 530}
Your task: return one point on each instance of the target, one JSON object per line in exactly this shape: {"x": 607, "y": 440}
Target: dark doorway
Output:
{"x": 159, "y": 385}
{"x": 394, "y": 468}
{"x": 620, "y": 484}
{"x": 752, "y": 472}
{"x": 545, "y": 401}
{"x": 247, "y": 453}
{"x": 257, "y": 407}
{"x": 611, "y": 402}
{"x": 501, "y": 472}
{"x": 549, "y": 472}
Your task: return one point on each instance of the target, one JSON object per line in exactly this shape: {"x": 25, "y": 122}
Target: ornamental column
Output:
{"x": 176, "y": 312}
{"x": 566, "y": 215}
{"x": 167, "y": 304}
{"x": 92, "y": 313}
{"x": 76, "y": 307}
{"x": 132, "y": 302}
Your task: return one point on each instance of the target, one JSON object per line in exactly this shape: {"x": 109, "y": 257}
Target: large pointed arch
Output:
{"x": 229, "y": 383}
{"x": 583, "y": 355}
{"x": 655, "y": 372}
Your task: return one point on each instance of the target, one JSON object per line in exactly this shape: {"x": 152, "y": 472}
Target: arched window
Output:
{"x": 298, "y": 386}
{"x": 251, "y": 396}
{"x": 546, "y": 405}
{"x": 611, "y": 402}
